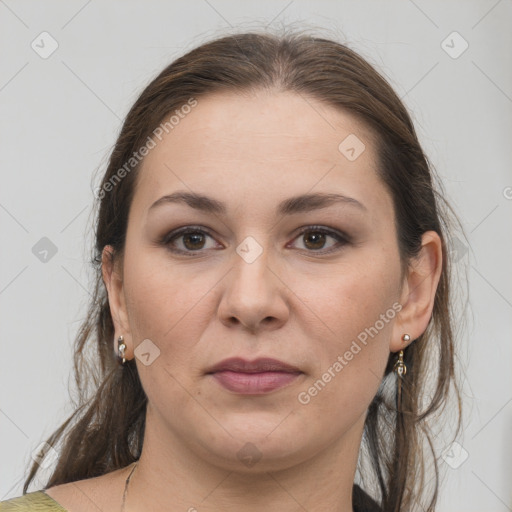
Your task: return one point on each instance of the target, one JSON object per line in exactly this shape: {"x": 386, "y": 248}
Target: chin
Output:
{"x": 258, "y": 446}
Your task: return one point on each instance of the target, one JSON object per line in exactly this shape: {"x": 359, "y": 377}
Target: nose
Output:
{"x": 254, "y": 296}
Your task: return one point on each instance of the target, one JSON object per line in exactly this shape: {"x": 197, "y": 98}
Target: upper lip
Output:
{"x": 263, "y": 364}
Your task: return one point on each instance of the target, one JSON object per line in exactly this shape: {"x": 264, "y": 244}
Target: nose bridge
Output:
{"x": 250, "y": 283}
{"x": 252, "y": 295}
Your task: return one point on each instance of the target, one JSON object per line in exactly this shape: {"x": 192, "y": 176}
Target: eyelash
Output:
{"x": 341, "y": 238}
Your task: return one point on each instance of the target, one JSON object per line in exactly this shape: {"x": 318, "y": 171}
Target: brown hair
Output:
{"x": 107, "y": 428}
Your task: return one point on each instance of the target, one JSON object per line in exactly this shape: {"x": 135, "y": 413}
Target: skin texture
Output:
{"x": 295, "y": 302}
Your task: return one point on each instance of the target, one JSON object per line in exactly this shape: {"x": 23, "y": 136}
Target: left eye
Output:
{"x": 314, "y": 239}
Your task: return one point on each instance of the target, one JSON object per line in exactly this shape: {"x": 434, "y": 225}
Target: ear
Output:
{"x": 418, "y": 291}
{"x": 113, "y": 279}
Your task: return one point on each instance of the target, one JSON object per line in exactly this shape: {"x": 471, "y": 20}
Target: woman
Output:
{"x": 272, "y": 269}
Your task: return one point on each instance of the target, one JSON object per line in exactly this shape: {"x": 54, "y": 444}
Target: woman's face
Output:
{"x": 270, "y": 269}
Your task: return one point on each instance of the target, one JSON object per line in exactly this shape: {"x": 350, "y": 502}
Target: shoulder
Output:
{"x": 96, "y": 493}
{"x": 37, "y": 501}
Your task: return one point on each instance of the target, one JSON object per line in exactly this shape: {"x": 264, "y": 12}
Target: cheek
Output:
{"x": 354, "y": 311}
{"x": 168, "y": 307}
{"x": 349, "y": 298}
{"x": 350, "y": 363}
{"x": 162, "y": 300}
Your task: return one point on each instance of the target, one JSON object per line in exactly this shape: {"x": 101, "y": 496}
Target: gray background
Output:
{"x": 60, "y": 117}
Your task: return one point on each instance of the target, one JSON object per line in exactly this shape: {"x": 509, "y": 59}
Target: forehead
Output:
{"x": 278, "y": 122}
{"x": 270, "y": 142}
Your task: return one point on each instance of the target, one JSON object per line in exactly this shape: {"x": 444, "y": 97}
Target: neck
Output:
{"x": 173, "y": 477}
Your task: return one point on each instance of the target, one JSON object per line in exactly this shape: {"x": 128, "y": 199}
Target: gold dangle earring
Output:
{"x": 121, "y": 347}
{"x": 400, "y": 369}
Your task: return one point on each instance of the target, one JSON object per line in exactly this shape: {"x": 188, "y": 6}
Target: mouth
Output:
{"x": 253, "y": 377}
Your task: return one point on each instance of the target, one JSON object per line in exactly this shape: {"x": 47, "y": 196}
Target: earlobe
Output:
{"x": 419, "y": 291}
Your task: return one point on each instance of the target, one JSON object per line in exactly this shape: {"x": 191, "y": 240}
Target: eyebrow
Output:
{"x": 297, "y": 204}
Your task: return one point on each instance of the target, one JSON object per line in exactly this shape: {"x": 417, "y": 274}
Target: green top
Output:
{"x": 37, "y": 501}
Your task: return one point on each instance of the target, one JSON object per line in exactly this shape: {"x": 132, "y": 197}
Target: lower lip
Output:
{"x": 254, "y": 383}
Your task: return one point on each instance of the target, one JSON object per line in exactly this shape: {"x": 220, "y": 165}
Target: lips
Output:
{"x": 239, "y": 365}
{"x": 253, "y": 377}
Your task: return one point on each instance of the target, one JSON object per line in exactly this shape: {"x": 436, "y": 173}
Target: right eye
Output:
{"x": 187, "y": 240}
